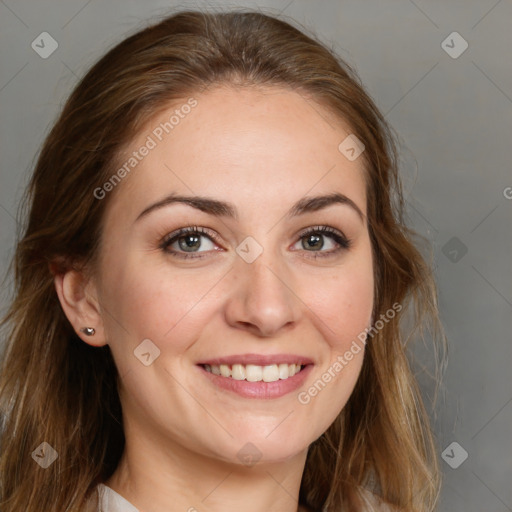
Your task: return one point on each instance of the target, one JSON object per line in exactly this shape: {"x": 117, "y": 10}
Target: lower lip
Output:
{"x": 260, "y": 390}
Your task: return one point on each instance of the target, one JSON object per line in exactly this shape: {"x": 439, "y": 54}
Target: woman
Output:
{"x": 210, "y": 286}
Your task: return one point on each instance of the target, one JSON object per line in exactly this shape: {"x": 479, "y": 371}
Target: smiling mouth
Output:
{"x": 255, "y": 373}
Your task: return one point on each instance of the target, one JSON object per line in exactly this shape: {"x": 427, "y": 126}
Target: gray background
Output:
{"x": 454, "y": 119}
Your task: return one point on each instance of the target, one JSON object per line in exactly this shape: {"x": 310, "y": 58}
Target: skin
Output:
{"x": 261, "y": 149}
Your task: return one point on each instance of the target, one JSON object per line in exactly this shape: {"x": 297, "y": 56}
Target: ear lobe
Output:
{"x": 77, "y": 298}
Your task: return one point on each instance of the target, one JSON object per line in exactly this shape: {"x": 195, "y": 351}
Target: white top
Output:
{"x": 111, "y": 501}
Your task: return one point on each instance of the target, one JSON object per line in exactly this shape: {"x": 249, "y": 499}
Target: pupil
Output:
{"x": 191, "y": 242}
{"x": 315, "y": 241}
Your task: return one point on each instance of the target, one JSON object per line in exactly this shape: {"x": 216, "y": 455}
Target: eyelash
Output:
{"x": 343, "y": 242}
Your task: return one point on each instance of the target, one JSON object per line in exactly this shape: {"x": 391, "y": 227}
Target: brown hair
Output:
{"x": 58, "y": 389}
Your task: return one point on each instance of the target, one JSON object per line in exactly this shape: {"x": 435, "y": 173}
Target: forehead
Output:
{"x": 268, "y": 144}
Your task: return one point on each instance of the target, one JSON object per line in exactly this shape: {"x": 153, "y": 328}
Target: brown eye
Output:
{"x": 189, "y": 242}
{"x": 313, "y": 241}
{"x": 321, "y": 237}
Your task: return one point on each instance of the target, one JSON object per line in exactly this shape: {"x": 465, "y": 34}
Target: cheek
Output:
{"x": 343, "y": 308}
{"x": 147, "y": 301}
{"x": 345, "y": 304}
{"x": 345, "y": 312}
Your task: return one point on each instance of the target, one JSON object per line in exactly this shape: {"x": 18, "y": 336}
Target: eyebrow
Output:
{"x": 223, "y": 209}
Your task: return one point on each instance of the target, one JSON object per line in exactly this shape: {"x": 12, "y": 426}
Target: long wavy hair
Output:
{"x": 55, "y": 388}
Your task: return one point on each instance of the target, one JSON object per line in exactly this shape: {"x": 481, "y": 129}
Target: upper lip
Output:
{"x": 258, "y": 359}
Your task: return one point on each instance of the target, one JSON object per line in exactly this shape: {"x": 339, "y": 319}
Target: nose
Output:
{"x": 263, "y": 299}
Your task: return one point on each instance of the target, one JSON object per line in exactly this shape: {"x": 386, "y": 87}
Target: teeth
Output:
{"x": 238, "y": 372}
{"x": 255, "y": 373}
{"x": 270, "y": 373}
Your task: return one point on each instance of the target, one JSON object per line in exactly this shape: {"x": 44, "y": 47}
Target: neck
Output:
{"x": 164, "y": 476}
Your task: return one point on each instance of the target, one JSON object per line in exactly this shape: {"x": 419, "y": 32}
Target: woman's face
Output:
{"x": 257, "y": 282}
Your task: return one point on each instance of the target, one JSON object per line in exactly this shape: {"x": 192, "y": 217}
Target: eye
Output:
{"x": 191, "y": 241}
{"x": 187, "y": 241}
{"x": 314, "y": 240}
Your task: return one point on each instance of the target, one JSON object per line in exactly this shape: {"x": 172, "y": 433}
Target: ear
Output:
{"x": 78, "y": 297}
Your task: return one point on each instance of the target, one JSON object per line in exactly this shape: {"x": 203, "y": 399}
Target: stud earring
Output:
{"x": 88, "y": 331}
